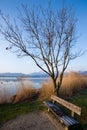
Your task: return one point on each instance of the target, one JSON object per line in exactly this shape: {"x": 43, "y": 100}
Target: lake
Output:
{"x": 11, "y": 84}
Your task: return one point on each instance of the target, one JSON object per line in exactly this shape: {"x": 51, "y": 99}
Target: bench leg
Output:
{"x": 48, "y": 109}
{"x": 72, "y": 114}
{"x": 66, "y": 128}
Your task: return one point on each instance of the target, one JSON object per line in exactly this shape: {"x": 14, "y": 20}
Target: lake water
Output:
{"x": 11, "y": 84}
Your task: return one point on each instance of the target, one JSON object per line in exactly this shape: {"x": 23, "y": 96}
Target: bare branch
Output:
{"x": 45, "y": 35}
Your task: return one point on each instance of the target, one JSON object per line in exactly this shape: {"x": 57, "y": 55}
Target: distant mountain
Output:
{"x": 32, "y": 75}
{"x": 83, "y": 72}
{"x": 13, "y": 75}
{"x": 36, "y": 74}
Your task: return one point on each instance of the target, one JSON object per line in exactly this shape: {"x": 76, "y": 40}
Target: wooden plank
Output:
{"x": 65, "y": 121}
{"x": 68, "y": 121}
{"x": 68, "y": 105}
{"x": 72, "y": 120}
{"x": 54, "y": 108}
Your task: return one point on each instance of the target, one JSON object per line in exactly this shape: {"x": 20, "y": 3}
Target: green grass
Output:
{"x": 81, "y": 100}
{"x": 9, "y": 111}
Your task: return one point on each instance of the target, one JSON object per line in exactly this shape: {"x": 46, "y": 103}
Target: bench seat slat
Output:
{"x": 67, "y": 120}
{"x": 72, "y": 120}
{"x": 54, "y": 108}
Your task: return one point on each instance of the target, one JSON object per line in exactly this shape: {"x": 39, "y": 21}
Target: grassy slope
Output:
{"x": 9, "y": 111}
{"x": 81, "y": 100}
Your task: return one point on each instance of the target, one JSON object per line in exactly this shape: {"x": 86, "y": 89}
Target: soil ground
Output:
{"x": 33, "y": 121}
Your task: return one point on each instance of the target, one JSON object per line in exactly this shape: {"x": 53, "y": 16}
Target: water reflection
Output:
{"x": 11, "y": 84}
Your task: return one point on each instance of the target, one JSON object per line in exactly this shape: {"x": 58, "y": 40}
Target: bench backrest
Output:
{"x": 72, "y": 107}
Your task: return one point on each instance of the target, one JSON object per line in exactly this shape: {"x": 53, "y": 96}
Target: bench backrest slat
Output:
{"x": 68, "y": 105}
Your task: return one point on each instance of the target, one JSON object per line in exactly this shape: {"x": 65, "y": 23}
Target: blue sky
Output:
{"x": 9, "y": 62}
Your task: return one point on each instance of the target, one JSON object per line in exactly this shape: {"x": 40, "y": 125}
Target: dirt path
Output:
{"x": 32, "y": 121}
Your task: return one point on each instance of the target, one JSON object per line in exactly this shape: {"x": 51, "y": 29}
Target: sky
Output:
{"x": 9, "y": 62}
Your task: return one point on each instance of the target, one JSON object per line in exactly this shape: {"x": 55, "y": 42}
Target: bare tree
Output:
{"x": 45, "y": 35}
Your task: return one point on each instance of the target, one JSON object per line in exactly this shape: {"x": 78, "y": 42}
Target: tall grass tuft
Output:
{"x": 72, "y": 84}
{"x": 46, "y": 89}
{"x": 4, "y": 98}
{"x": 24, "y": 92}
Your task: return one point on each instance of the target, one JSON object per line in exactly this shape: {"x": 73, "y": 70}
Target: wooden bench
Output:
{"x": 67, "y": 120}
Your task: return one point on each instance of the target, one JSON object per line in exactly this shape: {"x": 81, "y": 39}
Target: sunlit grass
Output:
{"x": 25, "y": 91}
{"x": 4, "y": 98}
{"x": 46, "y": 90}
{"x": 27, "y": 99}
{"x": 71, "y": 85}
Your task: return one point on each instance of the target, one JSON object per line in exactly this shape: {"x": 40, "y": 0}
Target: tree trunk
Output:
{"x": 56, "y": 87}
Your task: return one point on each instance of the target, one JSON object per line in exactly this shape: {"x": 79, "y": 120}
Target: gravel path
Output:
{"x": 31, "y": 121}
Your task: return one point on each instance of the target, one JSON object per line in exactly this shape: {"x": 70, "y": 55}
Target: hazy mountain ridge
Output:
{"x": 83, "y": 72}
{"x": 12, "y": 74}
{"x": 36, "y": 74}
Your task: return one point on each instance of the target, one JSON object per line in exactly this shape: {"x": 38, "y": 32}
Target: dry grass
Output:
{"x": 25, "y": 92}
{"x": 72, "y": 83}
{"x": 4, "y": 98}
{"x": 46, "y": 90}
